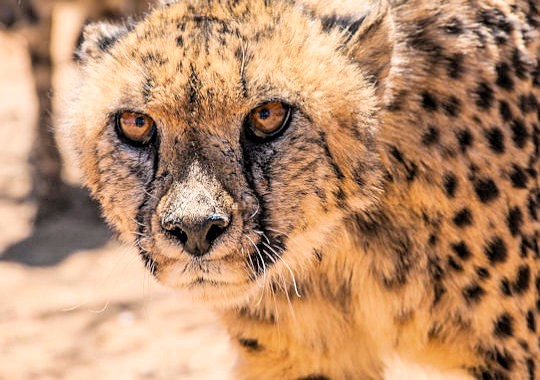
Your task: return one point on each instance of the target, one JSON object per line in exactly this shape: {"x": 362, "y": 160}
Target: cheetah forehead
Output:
{"x": 184, "y": 59}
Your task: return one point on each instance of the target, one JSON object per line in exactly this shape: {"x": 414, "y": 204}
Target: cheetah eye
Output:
{"x": 137, "y": 128}
{"x": 268, "y": 120}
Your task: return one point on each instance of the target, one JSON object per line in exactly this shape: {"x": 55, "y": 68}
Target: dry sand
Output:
{"x": 74, "y": 303}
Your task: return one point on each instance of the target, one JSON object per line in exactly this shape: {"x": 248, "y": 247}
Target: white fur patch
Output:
{"x": 397, "y": 368}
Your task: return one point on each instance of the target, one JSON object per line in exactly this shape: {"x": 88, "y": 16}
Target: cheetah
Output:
{"x": 348, "y": 183}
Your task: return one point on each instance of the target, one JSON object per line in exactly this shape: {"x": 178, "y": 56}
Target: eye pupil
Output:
{"x": 140, "y": 122}
{"x": 264, "y": 113}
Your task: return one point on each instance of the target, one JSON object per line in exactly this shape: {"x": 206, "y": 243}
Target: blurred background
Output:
{"x": 74, "y": 302}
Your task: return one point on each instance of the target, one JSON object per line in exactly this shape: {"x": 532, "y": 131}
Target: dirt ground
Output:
{"x": 75, "y": 303}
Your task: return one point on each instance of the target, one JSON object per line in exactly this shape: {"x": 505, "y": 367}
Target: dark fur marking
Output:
{"x": 455, "y": 67}
{"x": 314, "y": 377}
{"x": 482, "y": 272}
{"x": 451, "y": 106}
{"x": 523, "y": 279}
{"x": 486, "y": 189}
{"x": 531, "y": 368}
{"x": 506, "y": 288}
{"x": 504, "y": 78}
{"x": 505, "y": 111}
{"x": 484, "y": 96}
{"x": 450, "y": 184}
{"x": 463, "y": 218}
{"x": 250, "y": 344}
{"x": 531, "y": 321}
{"x": 465, "y": 139}
{"x": 496, "y": 251}
{"x": 473, "y": 293}
{"x": 431, "y": 136}
{"x": 347, "y": 24}
{"x": 495, "y": 139}
{"x": 520, "y": 134}
{"x": 504, "y": 358}
{"x": 421, "y": 38}
{"x": 410, "y": 167}
{"x": 453, "y": 264}
{"x": 454, "y": 26}
{"x": 518, "y": 177}
{"x": 520, "y": 67}
{"x": 324, "y": 143}
{"x": 504, "y": 326}
{"x": 514, "y": 220}
{"x": 429, "y": 102}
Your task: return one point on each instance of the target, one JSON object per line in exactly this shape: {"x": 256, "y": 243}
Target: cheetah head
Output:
{"x": 227, "y": 140}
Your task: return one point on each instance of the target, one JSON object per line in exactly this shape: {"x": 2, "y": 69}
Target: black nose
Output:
{"x": 197, "y": 235}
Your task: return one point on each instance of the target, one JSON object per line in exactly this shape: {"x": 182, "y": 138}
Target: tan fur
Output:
{"x": 395, "y": 219}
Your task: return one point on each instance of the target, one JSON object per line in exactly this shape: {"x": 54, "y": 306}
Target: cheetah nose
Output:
{"x": 197, "y": 234}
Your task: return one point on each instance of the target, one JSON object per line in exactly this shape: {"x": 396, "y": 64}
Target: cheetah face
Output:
{"x": 226, "y": 143}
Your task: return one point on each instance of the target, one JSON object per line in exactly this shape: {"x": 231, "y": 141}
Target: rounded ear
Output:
{"x": 367, "y": 32}
{"x": 97, "y": 39}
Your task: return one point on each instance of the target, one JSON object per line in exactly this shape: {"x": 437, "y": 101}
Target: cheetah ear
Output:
{"x": 367, "y": 34}
{"x": 97, "y": 39}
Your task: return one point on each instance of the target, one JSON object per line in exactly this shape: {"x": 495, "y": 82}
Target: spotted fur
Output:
{"x": 396, "y": 216}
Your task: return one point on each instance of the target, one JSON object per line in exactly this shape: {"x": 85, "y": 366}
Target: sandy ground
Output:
{"x": 74, "y": 303}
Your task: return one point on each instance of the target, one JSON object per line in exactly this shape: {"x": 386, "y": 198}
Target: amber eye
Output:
{"x": 135, "y": 127}
{"x": 269, "y": 119}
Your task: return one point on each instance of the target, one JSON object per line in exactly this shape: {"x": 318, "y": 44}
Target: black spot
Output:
{"x": 314, "y": 377}
{"x": 250, "y": 344}
{"x": 503, "y": 326}
{"x": 454, "y": 26}
{"x": 473, "y": 293}
{"x": 486, "y": 189}
{"x": 484, "y": 96}
{"x": 431, "y": 136}
{"x": 519, "y": 133}
{"x": 514, "y": 220}
{"x": 461, "y": 250}
{"x": 451, "y": 106}
{"x": 523, "y": 279}
{"x": 504, "y": 78}
{"x": 531, "y": 368}
{"x": 455, "y": 66}
{"x": 422, "y": 40}
{"x": 483, "y": 273}
{"x": 450, "y": 184}
{"x": 504, "y": 358}
{"x": 527, "y": 103}
{"x": 533, "y": 203}
{"x": 180, "y": 41}
{"x": 495, "y": 139}
{"x": 465, "y": 139}
{"x": 105, "y": 42}
{"x": 463, "y": 218}
{"x": 453, "y": 264}
{"x": 429, "y": 102}
{"x": 496, "y": 250}
{"x": 438, "y": 292}
{"x": 410, "y": 167}
{"x": 506, "y": 288}
{"x": 505, "y": 111}
{"x": 351, "y": 25}
{"x": 531, "y": 321}
{"x": 518, "y": 177}
{"x": 520, "y": 67}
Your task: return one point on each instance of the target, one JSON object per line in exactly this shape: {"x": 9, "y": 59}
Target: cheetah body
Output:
{"x": 398, "y": 210}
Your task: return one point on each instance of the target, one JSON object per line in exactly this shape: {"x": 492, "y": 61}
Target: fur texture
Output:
{"x": 396, "y": 216}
